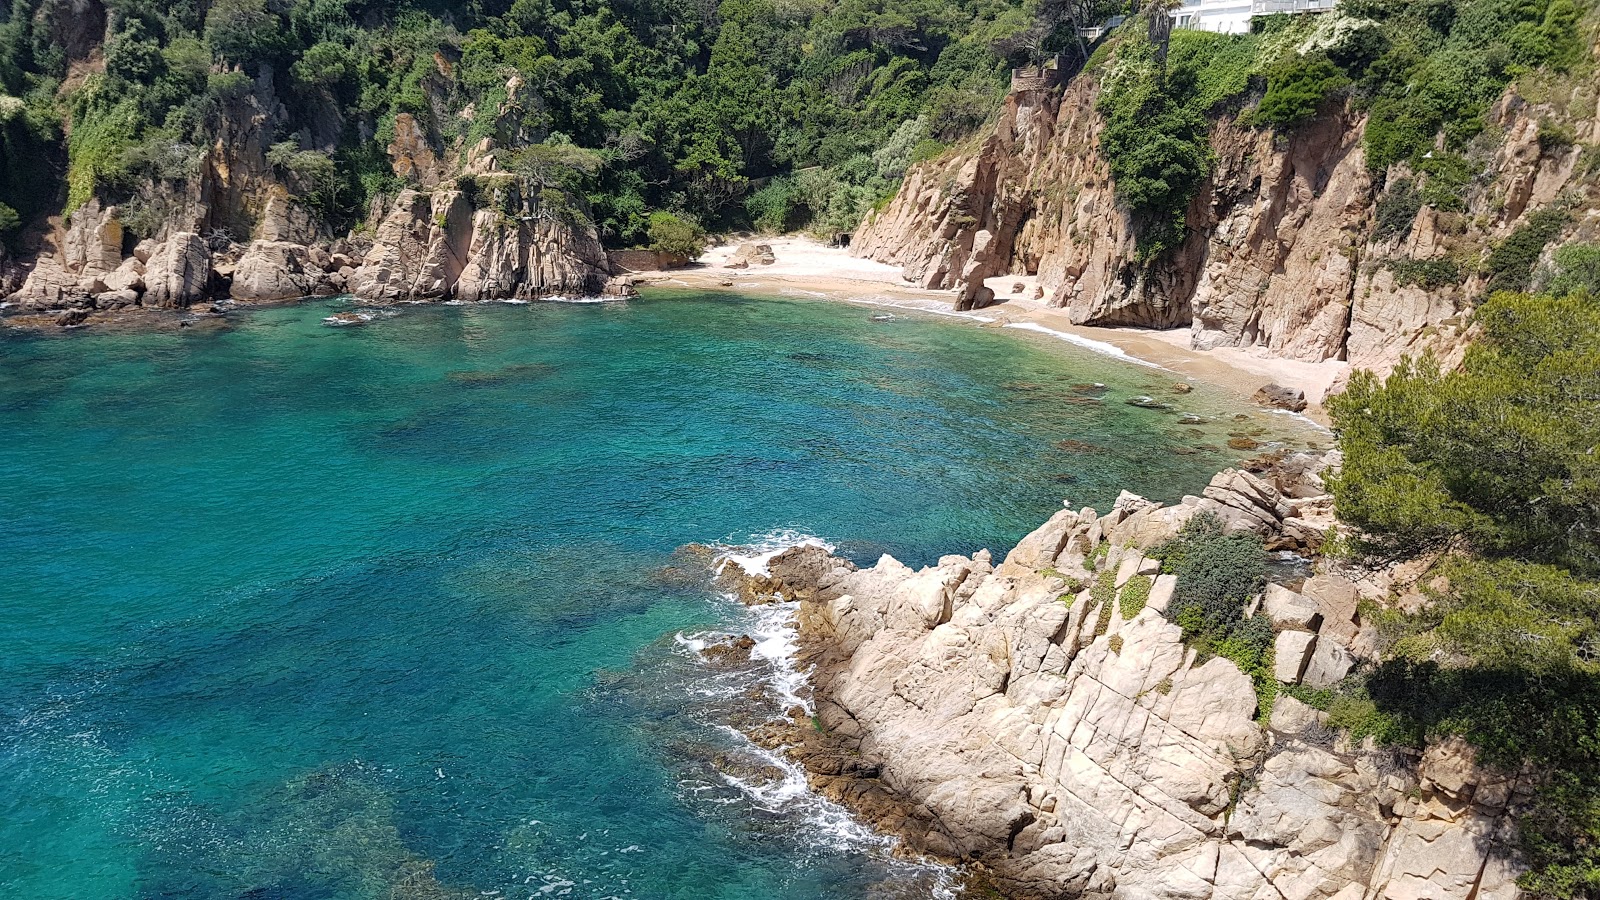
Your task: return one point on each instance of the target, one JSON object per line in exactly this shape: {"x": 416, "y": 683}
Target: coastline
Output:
{"x": 806, "y": 268}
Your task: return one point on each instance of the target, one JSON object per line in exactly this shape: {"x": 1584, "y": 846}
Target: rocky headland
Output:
{"x": 1063, "y": 741}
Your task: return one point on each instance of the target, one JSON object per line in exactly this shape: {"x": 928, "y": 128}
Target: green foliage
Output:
{"x": 1296, "y": 88}
{"x": 1104, "y": 590}
{"x": 1218, "y": 573}
{"x": 1497, "y": 458}
{"x": 1510, "y": 265}
{"x": 1156, "y": 137}
{"x": 1576, "y": 270}
{"x": 1427, "y": 273}
{"x": 1554, "y": 136}
{"x": 1447, "y": 177}
{"x": 1498, "y": 453}
{"x": 1397, "y": 209}
{"x": 640, "y": 105}
{"x": 1446, "y": 61}
{"x": 676, "y": 235}
{"x": 772, "y": 208}
{"x": 1134, "y": 595}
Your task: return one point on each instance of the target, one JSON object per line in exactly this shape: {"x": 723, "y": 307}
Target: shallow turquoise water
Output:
{"x": 300, "y": 612}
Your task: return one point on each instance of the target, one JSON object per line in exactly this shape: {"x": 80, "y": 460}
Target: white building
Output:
{"x": 1233, "y": 16}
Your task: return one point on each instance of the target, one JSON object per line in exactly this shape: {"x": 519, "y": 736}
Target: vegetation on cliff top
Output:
{"x": 1495, "y": 466}
{"x": 695, "y": 108}
{"x": 1425, "y": 72}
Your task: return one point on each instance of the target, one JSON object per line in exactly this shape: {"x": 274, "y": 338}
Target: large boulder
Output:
{"x": 270, "y": 271}
{"x": 178, "y": 272}
{"x": 1280, "y": 397}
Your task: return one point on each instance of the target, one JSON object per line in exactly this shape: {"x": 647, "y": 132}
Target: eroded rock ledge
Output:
{"x": 997, "y": 715}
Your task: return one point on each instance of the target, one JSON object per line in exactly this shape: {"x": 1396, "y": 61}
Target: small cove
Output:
{"x": 303, "y": 612}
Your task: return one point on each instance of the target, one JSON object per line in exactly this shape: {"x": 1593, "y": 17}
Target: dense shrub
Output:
{"x": 1448, "y": 60}
{"x": 676, "y": 235}
{"x": 1296, "y": 88}
{"x": 1134, "y": 595}
{"x": 1498, "y": 453}
{"x": 1427, "y": 273}
{"x": 1576, "y": 270}
{"x": 1510, "y": 265}
{"x": 1217, "y": 572}
{"x": 1494, "y": 460}
{"x": 1156, "y": 137}
{"x": 1397, "y": 210}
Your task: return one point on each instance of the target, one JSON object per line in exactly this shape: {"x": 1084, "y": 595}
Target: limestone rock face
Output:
{"x": 92, "y": 244}
{"x": 271, "y": 271}
{"x": 1280, "y": 251}
{"x": 993, "y": 713}
{"x": 433, "y": 246}
{"x": 178, "y": 272}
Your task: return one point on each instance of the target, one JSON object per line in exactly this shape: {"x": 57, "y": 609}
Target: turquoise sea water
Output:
{"x": 292, "y": 611}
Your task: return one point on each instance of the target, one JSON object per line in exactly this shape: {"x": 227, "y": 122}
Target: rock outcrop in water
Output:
{"x": 996, "y": 714}
{"x": 1281, "y": 251}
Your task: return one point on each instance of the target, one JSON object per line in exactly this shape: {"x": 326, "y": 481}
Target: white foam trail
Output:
{"x": 583, "y": 300}
{"x": 754, "y": 555}
{"x": 918, "y": 307}
{"x": 1086, "y": 343}
{"x": 1304, "y": 419}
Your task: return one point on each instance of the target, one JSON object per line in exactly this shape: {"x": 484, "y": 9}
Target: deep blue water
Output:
{"x": 392, "y": 611}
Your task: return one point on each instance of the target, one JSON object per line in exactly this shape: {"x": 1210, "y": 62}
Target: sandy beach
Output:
{"x": 806, "y": 267}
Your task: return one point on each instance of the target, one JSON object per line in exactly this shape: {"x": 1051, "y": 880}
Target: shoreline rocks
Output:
{"x": 1000, "y": 715}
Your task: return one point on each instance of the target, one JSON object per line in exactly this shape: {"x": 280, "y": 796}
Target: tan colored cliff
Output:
{"x": 242, "y": 229}
{"x": 1279, "y": 252}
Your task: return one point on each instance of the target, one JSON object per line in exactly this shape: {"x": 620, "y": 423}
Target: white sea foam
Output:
{"x": 921, "y": 307}
{"x": 773, "y": 627}
{"x": 1086, "y": 343}
{"x": 1304, "y": 419}
{"x": 753, "y": 556}
{"x": 581, "y": 300}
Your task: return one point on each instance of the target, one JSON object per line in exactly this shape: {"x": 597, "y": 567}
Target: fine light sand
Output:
{"x": 805, "y": 267}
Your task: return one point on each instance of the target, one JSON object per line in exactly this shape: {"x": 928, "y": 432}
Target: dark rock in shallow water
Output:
{"x": 1280, "y": 397}
{"x": 1147, "y": 403}
{"x": 1075, "y": 446}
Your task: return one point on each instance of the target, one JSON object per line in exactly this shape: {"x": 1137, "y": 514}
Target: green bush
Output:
{"x": 1554, "y": 137}
{"x": 1397, "y": 210}
{"x": 1576, "y": 270}
{"x": 1156, "y": 138}
{"x": 772, "y": 209}
{"x": 1497, "y": 453}
{"x": 1133, "y": 596}
{"x": 1431, "y": 274}
{"x": 1296, "y": 88}
{"x": 672, "y": 234}
{"x": 1448, "y": 177}
{"x": 1217, "y": 573}
{"x": 1510, "y": 265}
{"x": 1447, "y": 61}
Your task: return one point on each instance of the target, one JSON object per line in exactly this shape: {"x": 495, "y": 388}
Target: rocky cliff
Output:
{"x": 1282, "y": 250}
{"x": 236, "y": 225}
{"x": 1067, "y": 744}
